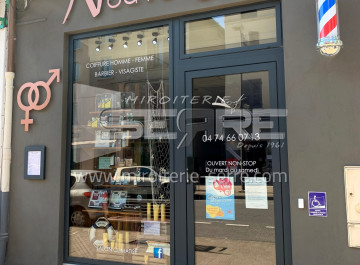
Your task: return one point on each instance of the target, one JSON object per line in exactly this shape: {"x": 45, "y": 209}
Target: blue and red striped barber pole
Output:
{"x": 329, "y": 41}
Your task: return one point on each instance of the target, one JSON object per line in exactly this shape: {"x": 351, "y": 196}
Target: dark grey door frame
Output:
{"x": 271, "y": 68}
{"x": 225, "y": 60}
{"x": 222, "y": 65}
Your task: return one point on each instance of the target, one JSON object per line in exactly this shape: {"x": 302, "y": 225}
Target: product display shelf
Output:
{"x": 136, "y": 220}
{"x": 112, "y": 111}
{"x": 124, "y": 126}
{"x": 119, "y": 148}
{"x": 120, "y": 211}
{"x": 119, "y": 186}
{"x": 127, "y": 220}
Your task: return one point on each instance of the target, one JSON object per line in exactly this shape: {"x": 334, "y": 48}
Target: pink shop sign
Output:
{"x": 95, "y": 9}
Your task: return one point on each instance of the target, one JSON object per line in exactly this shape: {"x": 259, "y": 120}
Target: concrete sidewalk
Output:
{"x": 215, "y": 251}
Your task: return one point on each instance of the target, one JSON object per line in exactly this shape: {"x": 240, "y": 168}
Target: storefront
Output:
{"x": 167, "y": 137}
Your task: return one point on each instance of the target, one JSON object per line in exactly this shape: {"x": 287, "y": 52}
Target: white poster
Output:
{"x": 256, "y": 193}
{"x": 34, "y": 163}
{"x": 152, "y": 228}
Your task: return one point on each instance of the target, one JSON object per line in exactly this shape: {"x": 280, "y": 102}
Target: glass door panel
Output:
{"x": 232, "y": 207}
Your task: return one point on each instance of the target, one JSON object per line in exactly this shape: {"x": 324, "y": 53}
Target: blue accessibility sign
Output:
{"x": 317, "y": 204}
{"x": 158, "y": 253}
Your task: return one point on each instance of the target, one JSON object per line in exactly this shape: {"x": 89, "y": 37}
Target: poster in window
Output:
{"x": 98, "y": 198}
{"x": 117, "y": 199}
{"x": 105, "y": 162}
{"x": 256, "y": 196}
{"x": 220, "y": 200}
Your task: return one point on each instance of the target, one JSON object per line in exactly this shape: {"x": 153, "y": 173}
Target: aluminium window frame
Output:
{"x": 178, "y": 61}
{"x": 72, "y": 39}
{"x": 232, "y": 11}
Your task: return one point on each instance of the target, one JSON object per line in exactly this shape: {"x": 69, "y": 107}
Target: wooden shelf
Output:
{"x": 136, "y": 219}
{"x": 113, "y": 211}
{"x": 120, "y": 186}
{"x": 123, "y": 217}
{"x": 109, "y": 148}
{"x": 125, "y": 126}
{"x": 112, "y": 111}
{"x": 116, "y": 148}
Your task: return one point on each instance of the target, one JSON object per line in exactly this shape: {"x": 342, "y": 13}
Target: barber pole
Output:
{"x": 329, "y": 42}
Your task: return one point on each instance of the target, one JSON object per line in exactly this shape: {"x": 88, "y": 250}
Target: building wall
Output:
{"x": 323, "y": 124}
{"x": 3, "y": 66}
{"x": 323, "y": 129}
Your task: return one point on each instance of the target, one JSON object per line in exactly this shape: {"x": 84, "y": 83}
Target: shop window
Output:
{"x": 231, "y": 31}
{"x": 120, "y": 190}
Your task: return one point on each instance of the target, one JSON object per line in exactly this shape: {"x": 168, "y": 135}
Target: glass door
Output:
{"x": 234, "y": 190}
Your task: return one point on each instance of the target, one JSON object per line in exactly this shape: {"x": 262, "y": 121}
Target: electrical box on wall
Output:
{"x": 352, "y": 196}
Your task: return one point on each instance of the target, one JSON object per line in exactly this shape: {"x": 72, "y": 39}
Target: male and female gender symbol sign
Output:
{"x": 33, "y": 96}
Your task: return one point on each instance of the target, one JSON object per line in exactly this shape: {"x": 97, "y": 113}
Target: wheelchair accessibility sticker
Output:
{"x": 317, "y": 204}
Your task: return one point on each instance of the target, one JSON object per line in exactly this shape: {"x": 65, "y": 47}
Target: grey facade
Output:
{"x": 322, "y": 125}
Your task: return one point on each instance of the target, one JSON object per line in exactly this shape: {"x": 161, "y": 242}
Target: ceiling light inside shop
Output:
{"x": 125, "y": 45}
{"x": 98, "y": 45}
{"x": 111, "y": 46}
{"x": 140, "y": 36}
{"x": 155, "y": 40}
